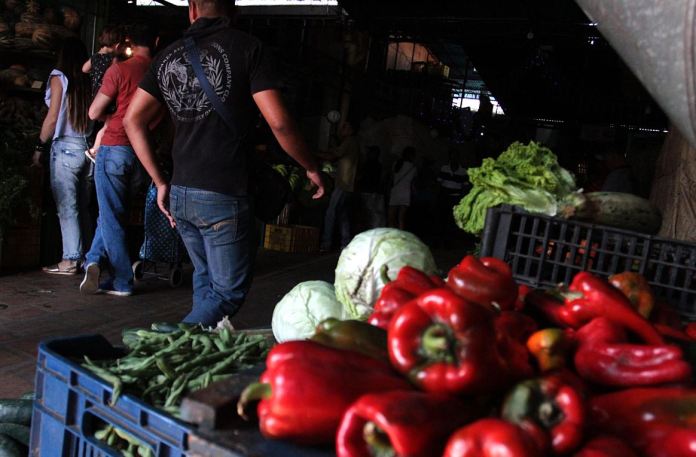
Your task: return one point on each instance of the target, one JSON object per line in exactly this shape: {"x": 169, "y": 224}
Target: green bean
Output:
{"x": 152, "y": 335}
{"x": 207, "y": 343}
{"x": 153, "y": 388}
{"x": 177, "y": 390}
{"x": 225, "y": 336}
{"x": 111, "y": 378}
{"x": 103, "y": 434}
{"x": 219, "y": 344}
{"x": 162, "y": 365}
{"x": 203, "y": 359}
{"x": 111, "y": 438}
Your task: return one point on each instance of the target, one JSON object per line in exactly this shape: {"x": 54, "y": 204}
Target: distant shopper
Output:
{"x": 483, "y": 116}
{"x": 110, "y": 40}
{"x": 403, "y": 174}
{"x": 210, "y": 202}
{"x": 424, "y": 201}
{"x": 454, "y": 184}
{"x": 67, "y": 124}
{"x": 620, "y": 177}
{"x": 117, "y": 172}
{"x": 453, "y": 177}
{"x": 347, "y": 156}
{"x": 371, "y": 188}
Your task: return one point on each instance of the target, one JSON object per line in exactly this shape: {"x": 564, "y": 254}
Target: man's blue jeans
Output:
{"x": 217, "y": 230}
{"x": 116, "y": 173}
{"x": 338, "y": 209}
{"x": 71, "y": 183}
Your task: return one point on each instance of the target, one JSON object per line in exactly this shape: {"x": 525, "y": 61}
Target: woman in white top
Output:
{"x": 66, "y": 124}
{"x": 403, "y": 173}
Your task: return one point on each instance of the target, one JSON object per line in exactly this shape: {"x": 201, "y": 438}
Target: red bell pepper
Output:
{"x": 690, "y": 330}
{"x": 672, "y": 333}
{"x": 658, "y": 422}
{"x": 491, "y": 438}
{"x": 550, "y": 347}
{"x": 606, "y": 446}
{"x": 307, "y": 387}
{"x": 445, "y": 344}
{"x": 636, "y": 288}
{"x": 664, "y": 313}
{"x": 522, "y": 291}
{"x": 512, "y": 330}
{"x": 550, "y": 409}
{"x": 400, "y": 423}
{"x": 589, "y": 297}
{"x": 604, "y": 357}
{"x": 409, "y": 284}
{"x": 486, "y": 281}
{"x": 516, "y": 325}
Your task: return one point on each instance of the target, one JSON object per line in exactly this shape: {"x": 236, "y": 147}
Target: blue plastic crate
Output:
{"x": 72, "y": 404}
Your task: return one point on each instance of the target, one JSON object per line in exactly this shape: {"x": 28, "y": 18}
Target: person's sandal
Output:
{"x": 62, "y": 269}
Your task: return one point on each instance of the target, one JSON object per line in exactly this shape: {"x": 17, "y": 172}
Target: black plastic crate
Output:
{"x": 544, "y": 251}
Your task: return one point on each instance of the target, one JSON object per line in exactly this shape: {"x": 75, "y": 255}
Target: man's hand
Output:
{"x": 163, "y": 203}
{"x": 317, "y": 180}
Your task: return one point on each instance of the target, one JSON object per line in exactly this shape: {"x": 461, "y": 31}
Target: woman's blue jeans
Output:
{"x": 217, "y": 230}
{"x": 72, "y": 183}
{"x": 117, "y": 173}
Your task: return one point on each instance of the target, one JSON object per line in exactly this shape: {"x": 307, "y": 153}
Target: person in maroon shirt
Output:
{"x": 117, "y": 169}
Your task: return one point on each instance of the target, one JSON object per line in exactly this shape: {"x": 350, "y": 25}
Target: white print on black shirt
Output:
{"x": 181, "y": 89}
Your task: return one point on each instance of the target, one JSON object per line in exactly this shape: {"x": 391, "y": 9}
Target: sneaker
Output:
{"x": 117, "y": 293}
{"x": 90, "y": 285}
{"x": 64, "y": 267}
{"x": 107, "y": 287}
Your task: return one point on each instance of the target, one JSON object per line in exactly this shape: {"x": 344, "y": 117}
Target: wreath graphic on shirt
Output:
{"x": 181, "y": 89}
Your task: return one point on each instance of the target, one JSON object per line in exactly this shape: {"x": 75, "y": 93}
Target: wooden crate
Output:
{"x": 291, "y": 238}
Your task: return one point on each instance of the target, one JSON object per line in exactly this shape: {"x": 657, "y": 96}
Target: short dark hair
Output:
{"x": 219, "y": 6}
{"x": 141, "y": 35}
{"x": 111, "y": 35}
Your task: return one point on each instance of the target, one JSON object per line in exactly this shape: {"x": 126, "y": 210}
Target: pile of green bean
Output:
{"x": 163, "y": 366}
{"x": 128, "y": 445}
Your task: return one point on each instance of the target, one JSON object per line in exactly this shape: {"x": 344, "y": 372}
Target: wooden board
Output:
{"x": 222, "y": 433}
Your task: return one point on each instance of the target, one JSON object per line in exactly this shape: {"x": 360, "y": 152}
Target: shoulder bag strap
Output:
{"x": 194, "y": 59}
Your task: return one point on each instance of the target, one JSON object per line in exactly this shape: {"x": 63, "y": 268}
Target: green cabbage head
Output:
{"x": 372, "y": 259}
{"x": 297, "y": 314}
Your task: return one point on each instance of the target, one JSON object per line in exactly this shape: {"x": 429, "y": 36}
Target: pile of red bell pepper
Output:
{"x": 478, "y": 366}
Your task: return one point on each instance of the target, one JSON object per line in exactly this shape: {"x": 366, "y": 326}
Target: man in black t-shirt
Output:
{"x": 208, "y": 196}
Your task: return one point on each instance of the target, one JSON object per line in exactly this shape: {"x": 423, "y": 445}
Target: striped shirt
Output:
{"x": 454, "y": 182}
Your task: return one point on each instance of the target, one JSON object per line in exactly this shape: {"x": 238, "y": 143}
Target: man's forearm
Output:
{"x": 295, "y": 146}
{"x": 138, "y": 136}
{"x": 142, "y": 111}
{"x": 284, "y": 129}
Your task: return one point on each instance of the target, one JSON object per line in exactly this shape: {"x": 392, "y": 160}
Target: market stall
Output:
{"x": 569, "y": 332}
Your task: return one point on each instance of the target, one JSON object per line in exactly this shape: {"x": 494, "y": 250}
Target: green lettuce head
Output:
{"x": 297, "y": 314}
{"x": 372, "y": 259}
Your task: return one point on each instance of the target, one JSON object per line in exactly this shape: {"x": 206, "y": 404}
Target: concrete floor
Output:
{"x": 35, "y": 306}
